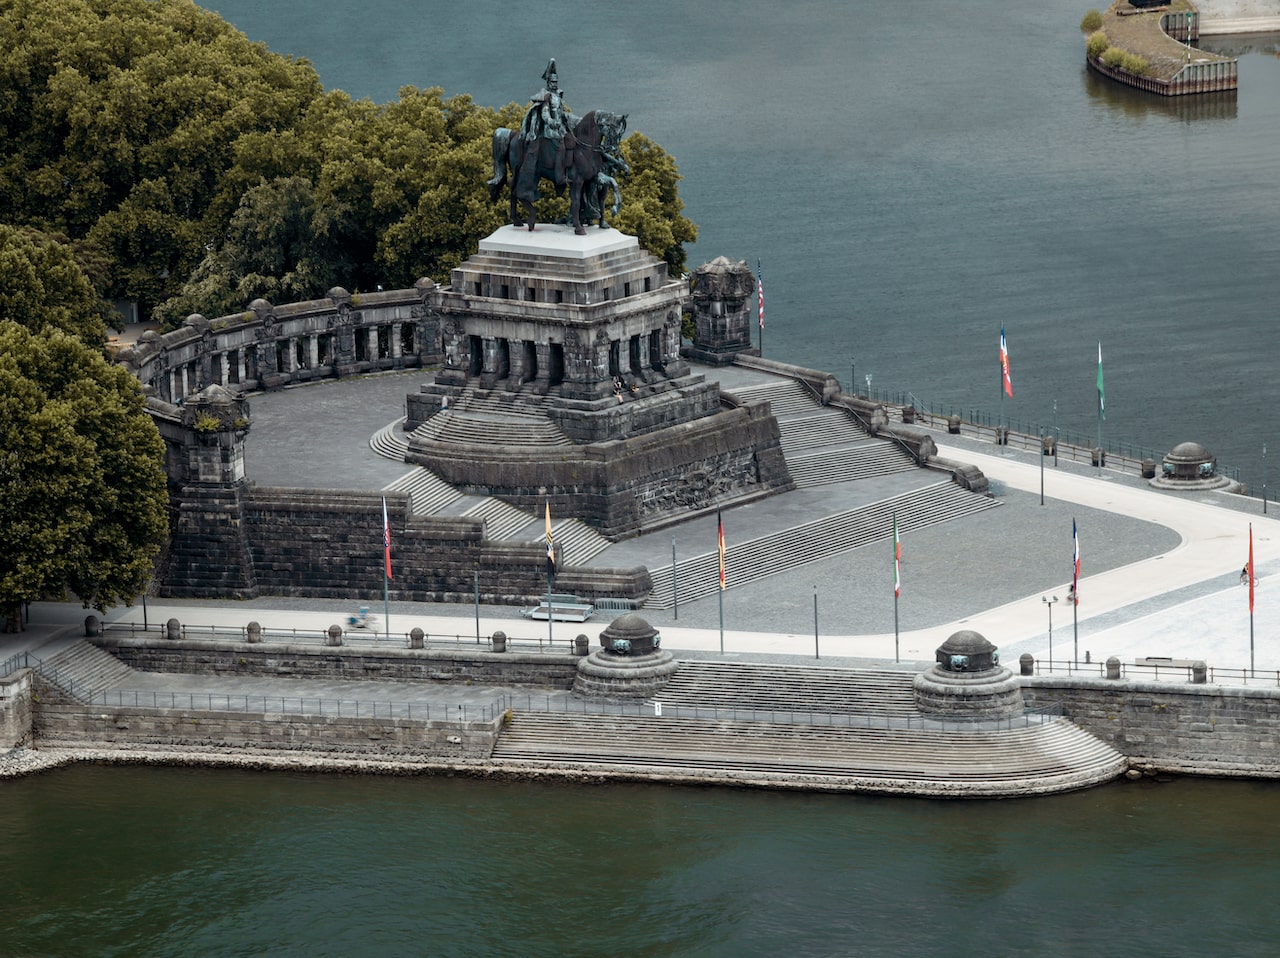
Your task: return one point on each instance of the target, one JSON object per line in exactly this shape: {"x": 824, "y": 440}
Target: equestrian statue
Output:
{"x": 553, "y": 144}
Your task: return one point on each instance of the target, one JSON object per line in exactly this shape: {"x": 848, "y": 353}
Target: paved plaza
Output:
{"x": 1159, "y": 577}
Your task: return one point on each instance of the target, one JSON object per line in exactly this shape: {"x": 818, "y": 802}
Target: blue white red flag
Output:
{"x": 1004, "y": 365}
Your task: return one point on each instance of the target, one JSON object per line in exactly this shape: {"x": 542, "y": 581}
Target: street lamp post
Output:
{"x": 868, "y": 385}
{"x": 1264, "y": 478}
{"x": 853, "y": 375}
{"x": 1049, "y": 601}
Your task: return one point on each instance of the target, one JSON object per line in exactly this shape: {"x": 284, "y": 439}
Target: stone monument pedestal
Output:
{"x": 629, "y": 664}
{"x": 968, "y": 682}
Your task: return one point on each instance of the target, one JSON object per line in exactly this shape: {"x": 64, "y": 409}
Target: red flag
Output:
{"x": 720, "y": 537}
{"x": 897, "y": 560}
{"x": 386, "y": 536}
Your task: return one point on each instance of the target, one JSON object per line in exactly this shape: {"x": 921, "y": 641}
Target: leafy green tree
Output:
{"x": 121, "y": 117}
{"x": 652, "y": 210}
{"x": 1091, "y": 22}
{"x": 42, "y": 287}
{"x": 82, "y": 484}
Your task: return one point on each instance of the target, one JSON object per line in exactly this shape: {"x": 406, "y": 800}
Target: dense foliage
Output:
{"x": 193, "y": 170}
{"x": 82, "y": 485}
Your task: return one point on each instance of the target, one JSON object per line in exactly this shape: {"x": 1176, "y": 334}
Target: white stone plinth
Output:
{"x": 551, "y": 239}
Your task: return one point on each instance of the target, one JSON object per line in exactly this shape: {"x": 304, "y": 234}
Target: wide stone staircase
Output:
{"x": 491, "y": 417}
{"x": 757, "y": 558}
{"x": 1025, "y": 759}
{"x": 824, "y": 444}
{"x": 811, "y": 726}
{"x": 82, "y": 670}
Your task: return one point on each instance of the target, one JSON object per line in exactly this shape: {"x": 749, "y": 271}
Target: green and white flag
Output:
{"x": 1102, "y": 402}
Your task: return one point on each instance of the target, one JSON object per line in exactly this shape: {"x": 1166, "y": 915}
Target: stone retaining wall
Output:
{"x": 303, "y": 542}
{"x": 1200, "y": 729}
{"x": 15, "y": 709}
{"x": 193, "y": 657}
{"x": 62, "y": 725}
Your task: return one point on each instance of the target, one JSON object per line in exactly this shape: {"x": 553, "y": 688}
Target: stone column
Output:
{"x": 395, "y": 344}
{"x": 313, "y": 351}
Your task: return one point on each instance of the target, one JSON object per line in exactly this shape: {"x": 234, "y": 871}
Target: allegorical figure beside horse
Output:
{"x": 553, "y": 144}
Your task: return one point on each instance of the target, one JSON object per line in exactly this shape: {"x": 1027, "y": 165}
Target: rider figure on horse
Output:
{"x": 549, "y": 118}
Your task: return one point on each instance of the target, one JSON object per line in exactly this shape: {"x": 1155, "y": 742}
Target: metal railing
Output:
{"x": 1025, "y": 433}
{"x": 1163, "y": 673}
{"x": 364, "y": 638}
{"x": 297, "y": 705}
{"x": 566, "y": 705}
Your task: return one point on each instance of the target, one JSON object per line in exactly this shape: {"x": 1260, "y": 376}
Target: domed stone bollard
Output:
{"x": 253, "y": 633}
{"x": 581, "y": 645}
{"x": 416, "y": 638}
{"x": 92, "y": 625}
{"x": 1148, "y": 468}
{"x": 1027, "y": 663}
{"x": 334, "y": 636}
{"x": 1098, "y": 456}
{"x": 173, "y": 630}
{"x": 953, "y": 425}
{"x": 908, "y": 414}
{"x": 499, "y": 641}
{"x": 1199, "y": 673}
{"x": 1048, "y": 445}
{"x": 1113, "y": 668}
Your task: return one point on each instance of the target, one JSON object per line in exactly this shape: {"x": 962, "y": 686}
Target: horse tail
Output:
{"x": 501, "y": 145}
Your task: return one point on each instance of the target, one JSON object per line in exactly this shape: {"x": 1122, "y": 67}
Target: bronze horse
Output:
{"x": 589, "y": 150}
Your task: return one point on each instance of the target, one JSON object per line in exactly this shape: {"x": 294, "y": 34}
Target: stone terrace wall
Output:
{"x": 77, "y": 724}
{"x": 342, "y": 663}
{"x": 315, "y": 544}
{"x": 266, "y": 347}
{"x": 1204, "y": 729}
{"x": 632, "y": 485}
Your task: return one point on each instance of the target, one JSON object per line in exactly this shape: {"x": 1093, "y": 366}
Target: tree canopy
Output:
{"x": 82, "y": 486}
{"x": 41, "y": 286}
{"x": 193, "y": 170}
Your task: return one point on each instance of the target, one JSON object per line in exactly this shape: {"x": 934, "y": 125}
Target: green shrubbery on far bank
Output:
{"x": 1097, "y": 44}
{"x": 1118, "y": 59}
{"x": 1091, "y": 22}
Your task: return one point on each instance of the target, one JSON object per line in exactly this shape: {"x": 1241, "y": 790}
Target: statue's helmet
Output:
{"x": 549, "y": 74}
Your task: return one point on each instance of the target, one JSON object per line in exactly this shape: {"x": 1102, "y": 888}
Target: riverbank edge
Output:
{"x": 23, "y": 762}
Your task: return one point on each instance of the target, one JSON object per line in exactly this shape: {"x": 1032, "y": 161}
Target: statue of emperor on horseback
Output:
{"x": 553, "y": 144}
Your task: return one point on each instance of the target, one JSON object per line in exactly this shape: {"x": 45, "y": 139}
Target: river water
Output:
{"x": 911, "y": 176}
{"x": 116, "y": 862}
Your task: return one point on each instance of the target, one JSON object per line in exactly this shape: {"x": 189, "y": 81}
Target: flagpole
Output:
{"x": 897, "y": 585}
{"x": 1251, "y": 581}
{"x": 551, "y": 571}
{"x": 720, "y": 549}
{"x": 386, "y": 571}
{"x": 1102, "y": 408}
{"x": 760, "y": 295}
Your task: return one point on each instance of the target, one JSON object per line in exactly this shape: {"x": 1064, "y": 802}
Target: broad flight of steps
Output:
{"x": 806, "y": 726}
{"x": 490, "y": 417}
{"x": 820, "y": 539}
{"x": 82, "y": 670}
{"x": 824, "y": 444}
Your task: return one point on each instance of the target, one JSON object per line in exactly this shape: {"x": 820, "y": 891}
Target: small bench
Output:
{"x": 1160, "y": 661}
{"x": 561, "y": 611}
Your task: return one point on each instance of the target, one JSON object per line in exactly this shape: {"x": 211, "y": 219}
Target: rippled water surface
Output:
{"x": 126, "y": 861}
